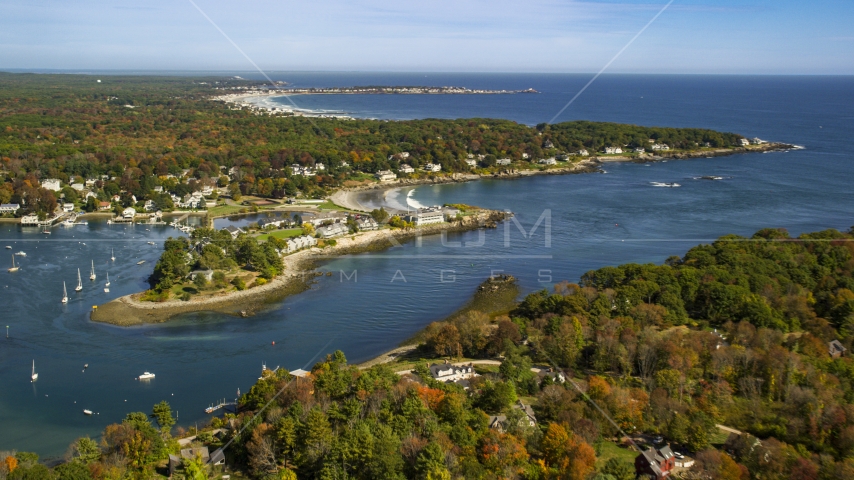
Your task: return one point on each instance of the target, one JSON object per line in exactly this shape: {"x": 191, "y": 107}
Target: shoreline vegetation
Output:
{"x": 729, "y": 358}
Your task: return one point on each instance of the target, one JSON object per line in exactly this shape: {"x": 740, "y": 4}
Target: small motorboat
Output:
{"x": 8, "y": 247}
{"x": 140, "y": 262}
{"x": 64, "y": 294}
{"x": 86, "y": 411}
{"x": 146, "y": 376}
{"x": 21, "y": 253}
{"x": 13, "y": 268}
{"x": 34, "y": 376}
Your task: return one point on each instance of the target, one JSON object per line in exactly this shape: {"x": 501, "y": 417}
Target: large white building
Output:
{"x": 433, "y": 167}
{"x": 298, "y": 243}
{"x": 52, "y": 184}
{"x": 405, "y": 168}
{"x": 426, "y": 216}
{"x": 9, "y": 207}
{"x": 451, "y": 373}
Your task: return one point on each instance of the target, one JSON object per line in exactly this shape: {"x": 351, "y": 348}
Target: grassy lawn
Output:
{"x": 609, "y": 450}
{"x": 220, "y": 210}
{"x": 282, "y": 234}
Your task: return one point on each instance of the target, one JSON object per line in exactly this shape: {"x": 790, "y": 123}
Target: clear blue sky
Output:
{"x": 692, "y": 36}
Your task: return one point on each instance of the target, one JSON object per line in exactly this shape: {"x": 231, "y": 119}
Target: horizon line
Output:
{"x": 143, "y": 71}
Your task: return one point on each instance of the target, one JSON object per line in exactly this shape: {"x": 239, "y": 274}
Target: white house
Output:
{"x": 385, "y": 176}
{"x": 51, "y": 184}
{"x": 548, "y": 144}
{"x": 503, "y": 161}
{"x": 660, "y": 146}
{"x": 67, "y": 207}
{"x": 548, "y": 161}
{"x": 334, "y": 230}
{"x": 525, "y": 156}
{"x": 9, "y": 207}
{"x": 433, "y": 167}
{"x": 471, "y": 162}
{"x": 30, "y": 220}
{"x": 320, "y": 166}
{"x": 233, "y": 231}
{"x": 446, "y": 372}
{"x": 405, "y": 168}
{"x": 149, "y": 206}
{"x": 613, "y": 150}
{"x": 583, "y": 153}
{"x": 757, "y": 141}
{"x": 640, "y": 150}
{"x": 158, "y": 189}
{"x": 128, "y": 212}
{"x": 78, "y": 186}
{"x": 367, "y": 223}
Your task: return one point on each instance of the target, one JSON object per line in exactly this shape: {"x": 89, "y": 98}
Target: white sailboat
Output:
{"x": 107, "y": 285}
{"x": 92, "y": 275}
{"x": 14, "y": 268}
{"x": 64, "y": 293}
{"x": 34, "y": 376}
{"x": 112, "y": 255}
{"x": 79, "y": 282}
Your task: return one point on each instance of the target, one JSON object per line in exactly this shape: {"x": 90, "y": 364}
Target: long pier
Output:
{"x": 221, "y": 404}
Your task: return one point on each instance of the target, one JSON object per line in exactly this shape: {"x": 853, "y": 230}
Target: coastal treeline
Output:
{"x": 747, "y": 333}
{"x": 213, "y": 259}
{"x": 130, "y": 135}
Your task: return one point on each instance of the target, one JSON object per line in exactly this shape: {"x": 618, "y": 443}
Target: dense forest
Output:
{"x": 131, "y": 133}
{"x": 735, "y": 333}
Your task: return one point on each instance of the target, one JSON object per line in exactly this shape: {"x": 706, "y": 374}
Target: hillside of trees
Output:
{"x": 137, "y": 131}
{"x": 734, "y": 333}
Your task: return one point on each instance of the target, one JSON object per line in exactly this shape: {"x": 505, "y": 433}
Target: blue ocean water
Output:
{"x": 595, "y": 220}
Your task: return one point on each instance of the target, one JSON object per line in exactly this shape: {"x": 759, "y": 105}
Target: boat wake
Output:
{"x": 708, "y": 177}
{"x": 660, "y": 184}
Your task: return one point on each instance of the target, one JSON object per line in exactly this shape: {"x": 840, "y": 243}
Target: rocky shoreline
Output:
{"x": 129, "y": 310}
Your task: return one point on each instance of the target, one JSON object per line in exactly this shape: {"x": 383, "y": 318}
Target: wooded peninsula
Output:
{"x": 731, "y": 359}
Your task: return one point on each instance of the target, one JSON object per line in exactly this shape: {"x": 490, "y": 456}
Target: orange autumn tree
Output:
{"x": 565, "y": 456}
{"x": 501, "y": 451}
{"x": 11, "y": 463}
{"x": 431, "y": 397}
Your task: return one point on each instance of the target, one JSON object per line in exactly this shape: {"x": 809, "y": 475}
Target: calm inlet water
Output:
{"x": 596, "y": 220}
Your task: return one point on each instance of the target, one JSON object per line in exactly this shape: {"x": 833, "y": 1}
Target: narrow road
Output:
{"x": 730, "y": 430}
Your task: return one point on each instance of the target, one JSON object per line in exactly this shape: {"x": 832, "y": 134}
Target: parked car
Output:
{"x": 658, "y": 439}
